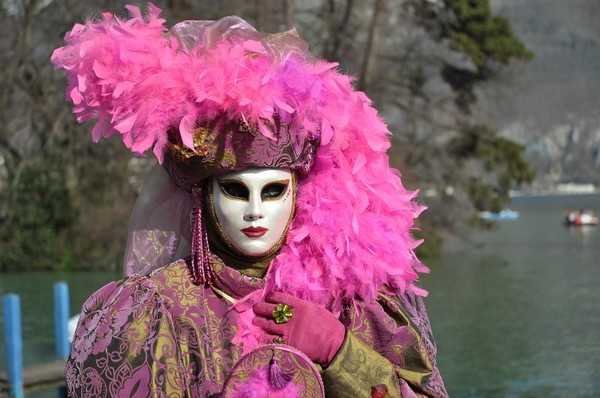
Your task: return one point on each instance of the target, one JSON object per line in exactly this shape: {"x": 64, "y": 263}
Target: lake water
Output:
{"x": 515, "y": 312}
{"x": 519, "y": 315}
{"x": 37, "y": 306}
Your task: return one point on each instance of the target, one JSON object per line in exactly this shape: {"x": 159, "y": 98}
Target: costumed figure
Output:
{"x": 270, "y": 251}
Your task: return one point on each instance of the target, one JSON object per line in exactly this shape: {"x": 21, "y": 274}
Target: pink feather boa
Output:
{"x": 258, "y": 386}
{"x": 352, "y": 232}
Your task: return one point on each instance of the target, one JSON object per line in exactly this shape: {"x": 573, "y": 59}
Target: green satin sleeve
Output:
{"x": 356, "y": 369}
{"x": 388, "y": 341}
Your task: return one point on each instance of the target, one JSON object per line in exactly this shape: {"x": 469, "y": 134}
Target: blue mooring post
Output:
{"x": 61, "y": 319}
{"x": 14, "y": 344}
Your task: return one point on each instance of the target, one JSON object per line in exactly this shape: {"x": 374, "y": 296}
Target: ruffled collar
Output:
{"x": 233, "y": 282}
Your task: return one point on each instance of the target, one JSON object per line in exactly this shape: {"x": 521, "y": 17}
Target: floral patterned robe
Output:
{"x": 162, "y": 336}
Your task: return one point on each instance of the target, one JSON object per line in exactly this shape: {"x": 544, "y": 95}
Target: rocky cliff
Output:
{"x": 567, "y": 152}
{"x": 551, "y": 104}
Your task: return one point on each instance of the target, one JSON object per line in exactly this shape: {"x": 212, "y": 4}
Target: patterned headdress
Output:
{"x": 210, "y": 97}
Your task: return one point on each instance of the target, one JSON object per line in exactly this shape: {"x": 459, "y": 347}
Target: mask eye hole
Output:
{"x": 273, "y": 191}
{"x": 235, "y": 190}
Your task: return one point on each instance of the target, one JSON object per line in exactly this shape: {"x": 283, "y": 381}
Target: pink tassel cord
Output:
{"x": 202, "y": 267}
{"x": 277, "y": 378}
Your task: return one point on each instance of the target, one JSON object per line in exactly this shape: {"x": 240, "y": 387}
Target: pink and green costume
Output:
{"x": 210, "y": 97}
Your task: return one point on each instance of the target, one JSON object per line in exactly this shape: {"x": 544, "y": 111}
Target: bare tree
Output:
{"x": 288, "y": 12}
{"x": 261, "y": 14}
{"x": 373, "y": 40}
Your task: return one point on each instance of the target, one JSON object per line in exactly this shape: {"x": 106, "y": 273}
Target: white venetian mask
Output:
{"x": 253, "y": 208}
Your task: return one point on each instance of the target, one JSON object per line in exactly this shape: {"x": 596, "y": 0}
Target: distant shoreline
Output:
{"x": 571, "y": 190}
{"x": 550, "y": 192}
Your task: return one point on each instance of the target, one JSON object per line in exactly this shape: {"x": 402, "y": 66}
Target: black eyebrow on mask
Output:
{"x": 230, "y": 181}
{"x": 286, "y": 181}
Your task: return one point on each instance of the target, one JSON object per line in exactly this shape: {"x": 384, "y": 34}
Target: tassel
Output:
{"x": 202, "y": 267}
{"x": 277, "y": 378}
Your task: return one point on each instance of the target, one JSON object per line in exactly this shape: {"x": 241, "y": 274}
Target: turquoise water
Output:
{"x": 515, "y": 312}
{"x": 37, "y": 306}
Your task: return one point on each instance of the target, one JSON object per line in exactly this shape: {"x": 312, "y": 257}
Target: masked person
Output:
{"x": 269, "y": 252}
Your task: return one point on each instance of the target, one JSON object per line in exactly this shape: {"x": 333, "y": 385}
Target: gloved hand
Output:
{"x": 311, "y": 329}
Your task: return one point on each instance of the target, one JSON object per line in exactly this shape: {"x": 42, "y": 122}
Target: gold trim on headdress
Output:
{"x": 201, "y": 141}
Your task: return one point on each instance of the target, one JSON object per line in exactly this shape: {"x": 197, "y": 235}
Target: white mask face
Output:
{"x": 253, "y": 208}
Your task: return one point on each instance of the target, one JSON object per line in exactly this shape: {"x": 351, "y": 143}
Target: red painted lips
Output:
{"x": 254, "y": 232}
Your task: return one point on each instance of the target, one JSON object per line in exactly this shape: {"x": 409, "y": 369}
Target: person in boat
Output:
{"x": 273, "y": 219}
{"x": 580, "y": 217}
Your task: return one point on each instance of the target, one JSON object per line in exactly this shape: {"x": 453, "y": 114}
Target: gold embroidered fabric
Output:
{"x": 357, "y": 368}
{"x": 161, "y": 335}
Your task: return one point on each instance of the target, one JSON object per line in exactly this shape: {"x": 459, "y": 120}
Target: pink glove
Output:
{"x": 311, "y": 329}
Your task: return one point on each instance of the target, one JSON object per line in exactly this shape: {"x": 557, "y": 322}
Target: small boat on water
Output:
{"x": 580, "y": 217}
{"x": 506, "y": 214}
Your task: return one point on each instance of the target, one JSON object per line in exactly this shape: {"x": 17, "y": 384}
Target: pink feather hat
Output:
{"x": 351, "y": 235}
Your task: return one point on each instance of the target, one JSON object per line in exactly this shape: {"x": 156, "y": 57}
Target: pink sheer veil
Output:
{"x": 159, "y": 227}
